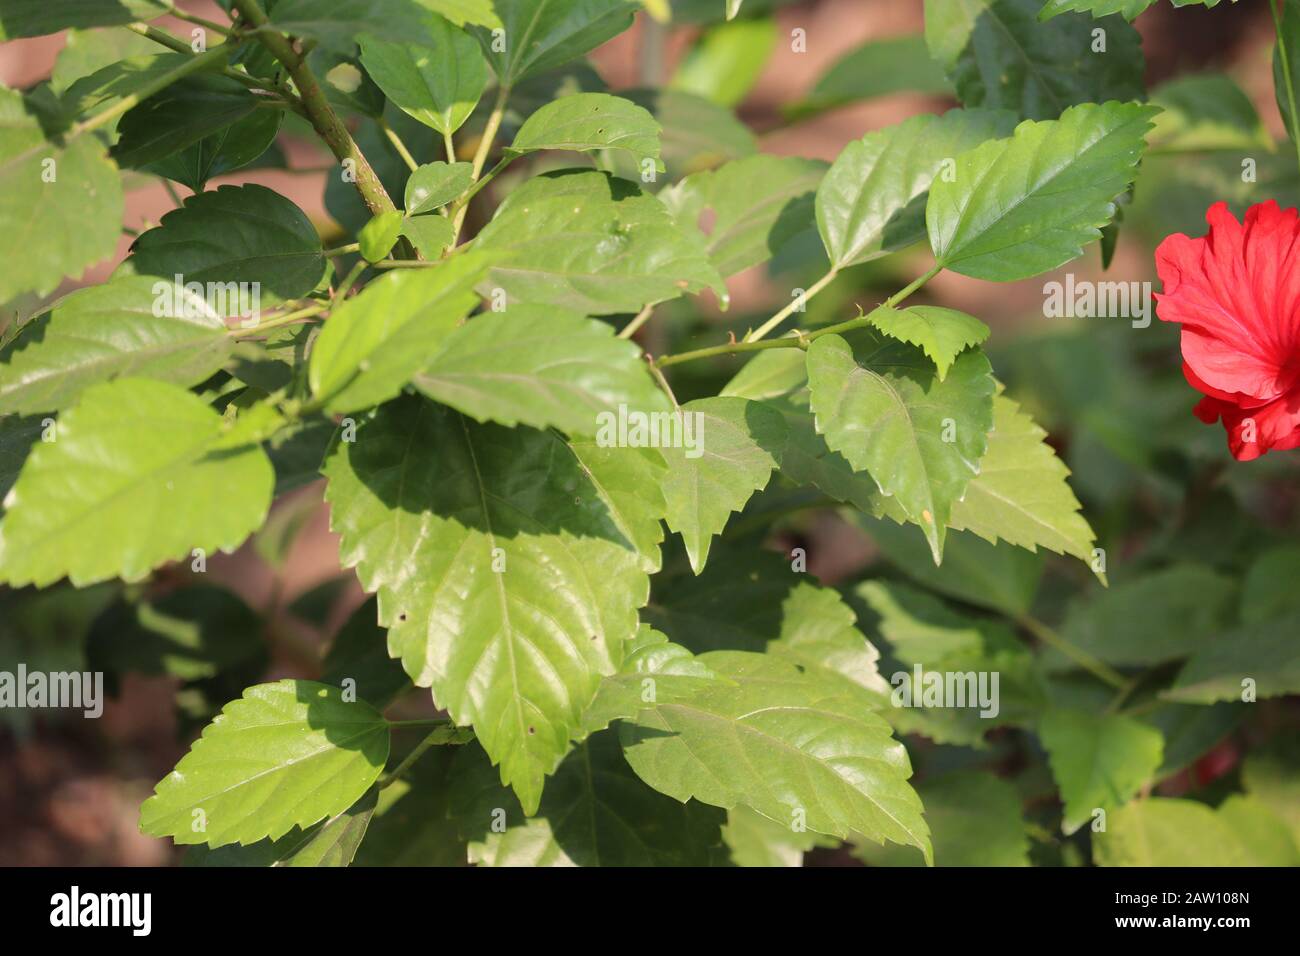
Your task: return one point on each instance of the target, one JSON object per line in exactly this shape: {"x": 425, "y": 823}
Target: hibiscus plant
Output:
{"x": 699, "y": 517}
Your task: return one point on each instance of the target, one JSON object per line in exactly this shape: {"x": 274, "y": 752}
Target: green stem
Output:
{"x": 343, "y": 250}
{"x": 322, "y": 116}
{"x": 351, "y": 278}
{"x": 276, "y": 322}
{"x": 178, "y": 45}
{"x": 641, "y": 318}
{"x": 449, "y": 145}
{"x": 731, "y": 348}
{"x": 796, "y": 304}
{"x": 398, "y": 145}
{"x": 180, "y": 14}
{"x": 481, "y": 155}
{"x": 1286, "y": 76}
{"x": 1092, "y": 665}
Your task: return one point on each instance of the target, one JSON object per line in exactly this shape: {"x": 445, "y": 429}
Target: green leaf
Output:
{"x": 125, "y": 327}
{"x": 411, "y": 825}
{"x": 596, "y": 812}
{"x": 696, "y": 134}
{"x": 1261, "y": 831}
{"x": 436, "y": 184}
{"x": 375, "y": 342}
{"x": 748, "y": 209}
{"x": 152, "y": 477}
{"x": 727, "y": 60}
{"x": 1129, "y": 9}
{"x": 591, "y": 243}
{"x": 736, "y": 444}
{"x": 184, "y": 113}
{"x": 1163, "y": 832}
{"x": 1099, "y": 762}
{"x": 1156, "y": 618}
{"x": 229, "y": 149}
{"x": 285, "y": 754}
{"x": 541, "y": 367}
{"x": 1262, "y": 658}
{"x": 876, "y": 68}
{"x": 336, "y": 24}
{"x": 879, "y": 404}
{"x": 461, "y": 12}
{"x": 543, "y": 34}
{"x": 60, "y": 206}
{"x": 1271, "y": 775}
{"x": 85, "y": 52}
{"x": 430, "y": 234}
{"x": 118, "y": 79}
{"x": 1268, "y": 589}
{"x": 766, "y": 742}
{"x": 1020, "y": 495}
{"x": 1288, "y": 95}
{"x": 332, "y": 843}
{"x": 241, "y": 234}
{"x": 17, "y": 436}
{"x": 1021, "y": 206}
{"x": 755, "y": 841}
{"x": 942, "y": 334}
{"x": 379, "y": 235}
{"x": 1206, "y": 111}
{"x": 586, "y": 122}
{"x": 871, "y": 201}
{"x": 33, "y": 18}
{"x": 974, "y": 820}
{"x": 509, "y": 574}
{"x": 998, "y": 54}
{"x": 438, "y": 82}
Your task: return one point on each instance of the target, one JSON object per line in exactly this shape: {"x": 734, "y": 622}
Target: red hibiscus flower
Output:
{"x": 1236, "y": 293}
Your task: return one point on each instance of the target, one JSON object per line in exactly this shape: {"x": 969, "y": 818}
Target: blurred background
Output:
{"x": 1153, "y": 480}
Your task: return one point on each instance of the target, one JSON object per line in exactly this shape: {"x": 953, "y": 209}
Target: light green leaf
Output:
{"x": 591, "y": 243}
{"x": 543, "y": 34}
{"x": 429, "y": 234}
{"x": 755, "y": 841}
{"x": 727, "y": 60}
{"x": 792, "y": 744}
{"x": 1021, "y": 206}
{"x": 1206, "y": 111}
{"x": 147, "y": 465}
{"x": 33, "y": 18}
{"x": 1263, "y": 659}
{"x": 1288, "y": 95}
{"x": 379, "y": 235}
{"x": 1020, "y": 495}
{"x": 437, "y": 82}
{"x": 736, "y": 444}
{"x": 119, "y": 79}
{"x": 1129, "y": 9}
{"x": 85, "y": 52}
{"x": 974, "y": 820}
{"x": 235, "y": 234}
{"x": 375, "y": 342}
{"x": 941, "y": 333}
{"x": 436, "y": 184}
{"x": 1162, "y": 832}
{"x": 879, "y": 404}
{"x": 509, "y": 574}
{"x": 461, "y": 12}
{"x": 586, "y": 122}
{"x": 1261, "y": 831}
{"x": 1158, "y": 617}
{"x": 872, "y": 199}
{"x": 122, "y": 328}
{"x": 285, "y": 754}
{"x": 697, "y": 134}
{"x": 752, "y": 207}
{"x": 1099, "y": 762}
{"x": 60, "y": 206}
{"x": 332, "y": 843}
{"x": 998, "y": 54}
{"x": 596, "y": 812}
{"x": 1271, "y": 775}
{"x": 541, "y": 367}
{"x": 876, "y": 68}
{"x": 733, "y": 8}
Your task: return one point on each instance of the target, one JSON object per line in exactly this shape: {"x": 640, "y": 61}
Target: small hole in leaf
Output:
{"x": 532, "y": 730}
